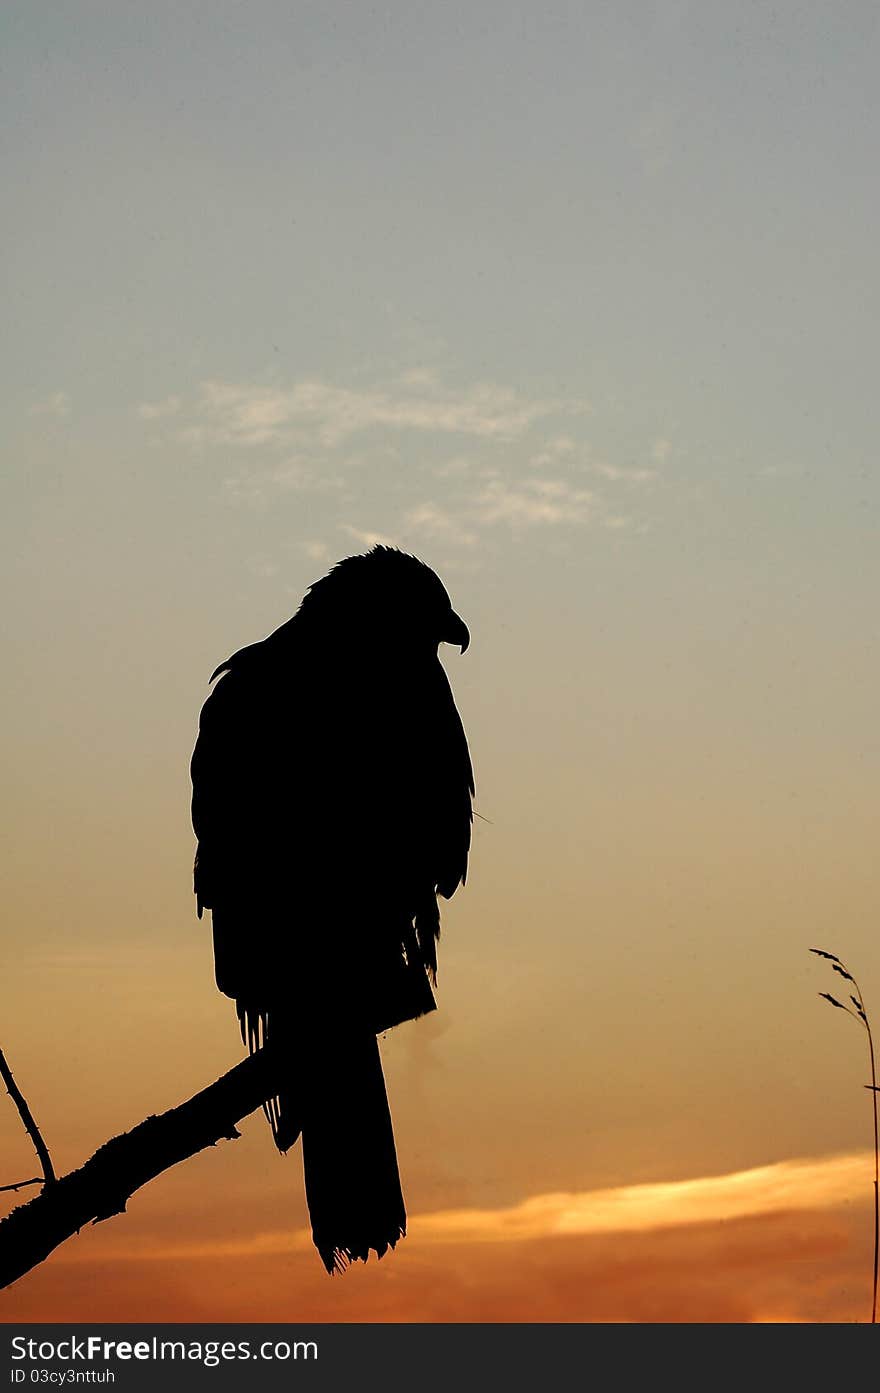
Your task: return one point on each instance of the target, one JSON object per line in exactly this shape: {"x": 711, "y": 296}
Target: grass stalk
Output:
{"x": 861, "y": 1014}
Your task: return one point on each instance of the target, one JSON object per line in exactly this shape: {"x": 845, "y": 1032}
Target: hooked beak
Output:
{"x": 456, "y": 631}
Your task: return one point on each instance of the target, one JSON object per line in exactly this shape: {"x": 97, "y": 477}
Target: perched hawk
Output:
{"x": 332, "y": 791}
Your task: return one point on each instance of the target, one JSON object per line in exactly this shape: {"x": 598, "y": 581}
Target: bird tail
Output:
{"x": 337, "y": 1100}
{"x": 349, "y": 1158}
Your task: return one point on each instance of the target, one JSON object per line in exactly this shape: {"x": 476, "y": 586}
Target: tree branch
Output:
{"x": 30, "y": 1125}
{"x": 101, "y": 1187}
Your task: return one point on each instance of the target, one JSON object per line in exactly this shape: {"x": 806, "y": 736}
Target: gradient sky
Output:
{"x": 578, "y": 302}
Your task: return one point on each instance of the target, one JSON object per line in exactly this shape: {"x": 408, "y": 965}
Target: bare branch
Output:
{"x": 30, "y": 1125}
{"x": 20, "y": 1184}
{"x": 101, "y": 1187}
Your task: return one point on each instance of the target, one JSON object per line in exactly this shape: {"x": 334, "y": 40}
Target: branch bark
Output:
{"x": 30, "y": 1125}
{"x": 102, "y": 1187}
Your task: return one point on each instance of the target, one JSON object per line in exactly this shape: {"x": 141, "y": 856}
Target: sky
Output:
{"x": 578, "y": 303}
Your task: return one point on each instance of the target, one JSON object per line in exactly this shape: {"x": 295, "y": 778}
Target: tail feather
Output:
{"x": 349, "y": 1158}
{"x": 337, "y": 1100}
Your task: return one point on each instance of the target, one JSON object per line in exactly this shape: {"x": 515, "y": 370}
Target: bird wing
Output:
{"x": 228, "y": 803}
{"x": 450, "y": 788}
{"x": 331, "y": 806}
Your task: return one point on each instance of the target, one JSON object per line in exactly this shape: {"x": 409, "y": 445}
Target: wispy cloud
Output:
{"x": 553, "y": 450}
{"x": 454, "y": 468}
{"x": 783, "y": 1188}
{"x": 775, "y": 1189}
{"x": 430, "y": 520}
{"x": 532, "y": 502}
{"x": 251, "y": 416}
{"x": 519, "y": 464}
{"x": 157, "y": 410}
{"x": 56, "y": 405}
{"x": 617, "y": 473}
{"x": 366, "y": 538}
{"x": 516, "y": 505}
{"x": 316, "y": 551}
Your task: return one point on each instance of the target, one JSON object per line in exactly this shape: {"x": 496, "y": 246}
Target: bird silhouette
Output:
{"x": 332, "y": 803}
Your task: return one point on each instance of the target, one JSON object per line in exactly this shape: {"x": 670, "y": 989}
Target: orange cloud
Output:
{"x": 785, "y": 1187}
{"x": 786, "y": 1242}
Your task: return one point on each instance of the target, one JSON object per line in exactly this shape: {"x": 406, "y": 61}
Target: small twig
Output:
{"x": 20, "y": 1184}
{"x": 119, "y": 1168}
{"x": 861, "y": 1015}
{"x": 30, "y": 1125}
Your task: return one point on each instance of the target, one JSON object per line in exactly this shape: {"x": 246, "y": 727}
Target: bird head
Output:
{"x": 388, "y": 596}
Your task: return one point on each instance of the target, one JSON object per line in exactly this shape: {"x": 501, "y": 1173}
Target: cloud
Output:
{"x": 518, "y": 505}
{"x": 156, "y": 410}
{"x": 454, "y": 468}
{"x": 778, "y": 1267}
{"x": 251, "y": 416}
{"x": 316, "y": 551}
{"x": 367, "y": 539}
{"x": 56, "y": 405}
{"x": 785, "y": 1187}
{"x": 554, "y": 450}
{"x": 786, "y": 470}
{"x": 780, "y": 1188}
{"x": 531, "y": 503}
{"x": 419, "y": 377}
{"x": 430, "y": 520}
{"x": 513, "y": 466}
{"x": 621, "y": 474}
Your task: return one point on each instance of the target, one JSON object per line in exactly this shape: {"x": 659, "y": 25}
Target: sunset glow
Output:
{"x": 575, "y": 303}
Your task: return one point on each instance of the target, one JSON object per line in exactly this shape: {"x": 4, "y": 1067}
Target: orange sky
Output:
{"x": 781, "y": 1243}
